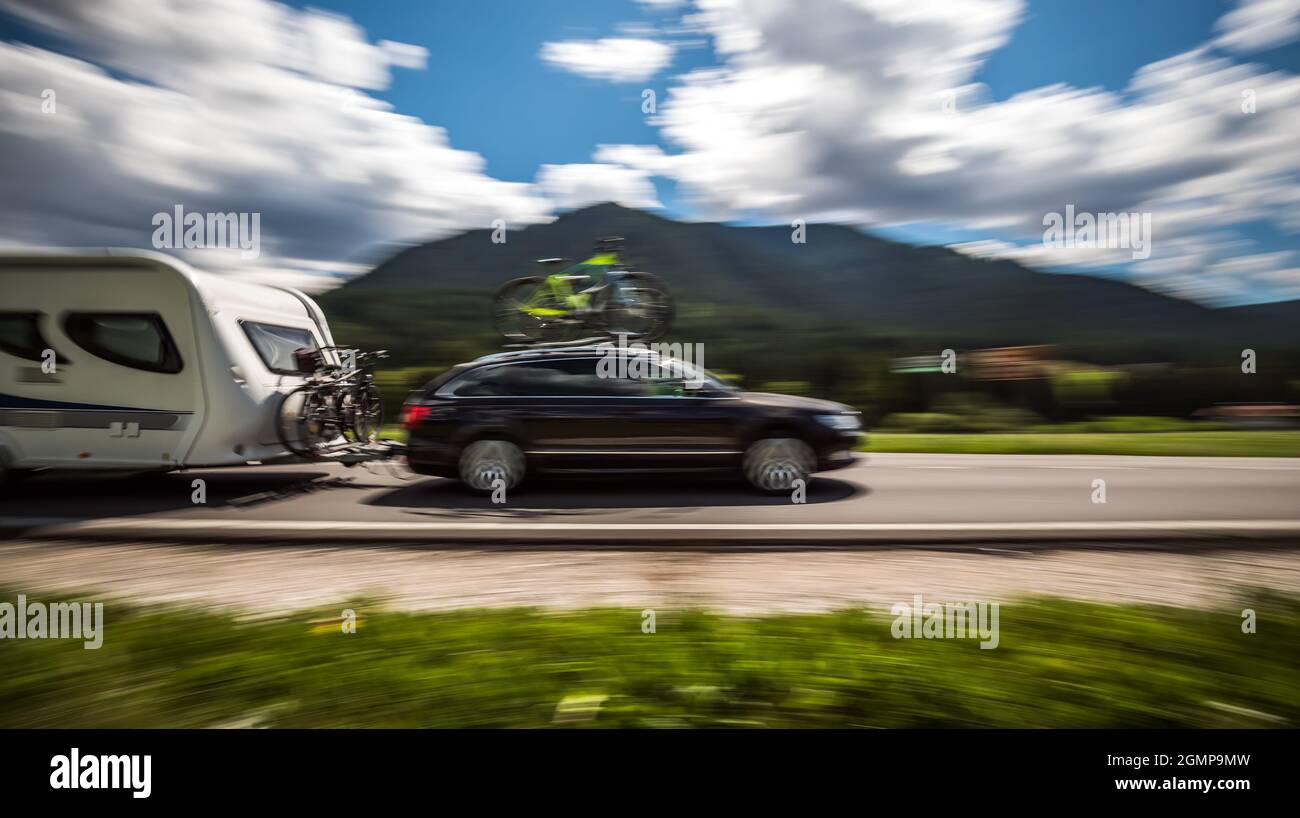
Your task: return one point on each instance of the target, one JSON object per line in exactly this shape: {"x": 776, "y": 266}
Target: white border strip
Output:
{"x": 216, "y": 528}
{"x": 320, "y": 525}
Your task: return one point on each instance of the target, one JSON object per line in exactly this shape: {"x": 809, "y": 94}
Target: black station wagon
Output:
{"x": 493, "y": 421}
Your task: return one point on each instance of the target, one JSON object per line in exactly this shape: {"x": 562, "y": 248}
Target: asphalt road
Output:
{"x": 885, "y": 498}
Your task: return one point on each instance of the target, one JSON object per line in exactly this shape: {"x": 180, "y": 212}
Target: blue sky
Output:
{"x": 768, "y": 111}
{"x": 487, "y": 85}
{"x": 1104, "y": 42}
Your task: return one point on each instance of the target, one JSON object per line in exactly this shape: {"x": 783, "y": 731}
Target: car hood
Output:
{"x": 828, "y": 407}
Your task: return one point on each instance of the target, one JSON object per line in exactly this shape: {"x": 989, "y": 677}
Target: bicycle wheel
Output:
{"x": 308, "y": 422}
{"x": 639, "y": 306}
{"x": 526, "y": 310}
{"x": 294, "y": 421}
{"x": 364, "y": 411}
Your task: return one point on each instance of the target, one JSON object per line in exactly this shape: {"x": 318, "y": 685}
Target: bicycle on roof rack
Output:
{"x": 598, "y": 296}
{"x": 338, "y": 412}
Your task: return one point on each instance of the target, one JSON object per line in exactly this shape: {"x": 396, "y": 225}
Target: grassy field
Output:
{"x": 1185, "y": 444}
{"x": 1058, "y": 664}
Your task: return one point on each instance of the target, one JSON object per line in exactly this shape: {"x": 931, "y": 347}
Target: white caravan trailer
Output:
{"x": 133, "y": 360}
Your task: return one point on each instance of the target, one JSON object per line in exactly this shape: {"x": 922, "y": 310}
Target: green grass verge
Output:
{"x": 1187, "y": 444}
{"x": 1059, "y": 664}
{"x": 1184, "y": 444}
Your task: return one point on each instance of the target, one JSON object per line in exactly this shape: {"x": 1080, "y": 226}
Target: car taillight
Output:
{"x": 413, "y": 414}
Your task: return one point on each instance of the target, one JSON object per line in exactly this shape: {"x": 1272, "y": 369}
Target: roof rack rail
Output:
{"x": 596, "y": 343}
{"x": 580, "y": 342}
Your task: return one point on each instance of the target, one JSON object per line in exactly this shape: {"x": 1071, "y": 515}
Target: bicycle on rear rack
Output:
{"x": 338, "y": 410}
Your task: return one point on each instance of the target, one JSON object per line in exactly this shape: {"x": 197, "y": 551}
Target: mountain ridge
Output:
{"x": 846, "y": 276}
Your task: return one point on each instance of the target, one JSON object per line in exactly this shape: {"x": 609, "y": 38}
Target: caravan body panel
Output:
{"x": 154, "y": 365}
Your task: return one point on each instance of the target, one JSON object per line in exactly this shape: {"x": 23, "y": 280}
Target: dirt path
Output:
{"x": 280, "y": 578}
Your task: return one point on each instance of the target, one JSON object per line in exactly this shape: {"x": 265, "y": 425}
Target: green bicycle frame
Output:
{"x": 556, "y": 288}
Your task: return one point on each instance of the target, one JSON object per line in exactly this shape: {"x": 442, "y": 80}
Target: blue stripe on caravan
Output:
{"x": 18, "y": 402}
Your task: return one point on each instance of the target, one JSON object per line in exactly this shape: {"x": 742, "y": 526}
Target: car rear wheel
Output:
{"x": 775, "y": 463}
{"x": 484, "y": 462}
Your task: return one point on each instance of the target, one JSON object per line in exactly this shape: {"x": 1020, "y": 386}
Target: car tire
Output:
{"x": 483, "y": 462}
{"x": 773, "y": 464}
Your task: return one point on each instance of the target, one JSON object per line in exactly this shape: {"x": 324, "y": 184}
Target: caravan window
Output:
{"x": 138, "y": 340}
{"x": 20, "y": 335}
{"x": 276, "y": 345}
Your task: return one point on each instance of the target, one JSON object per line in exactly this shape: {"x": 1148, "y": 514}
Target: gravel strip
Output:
{"x": 281, "y": 578}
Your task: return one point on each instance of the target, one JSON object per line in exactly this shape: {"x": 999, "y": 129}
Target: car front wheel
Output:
{"x": 485, "y": 462}
{"x": 775, "y": 463}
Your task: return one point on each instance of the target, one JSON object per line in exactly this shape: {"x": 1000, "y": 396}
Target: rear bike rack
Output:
{"x": 354, "y": 453}
{"x": 373, "y": 451}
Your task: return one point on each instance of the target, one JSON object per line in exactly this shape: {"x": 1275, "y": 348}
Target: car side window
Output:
{"x": 483, "y": 382}
{"x": 556, "y": 379}
{"x": 665, "y": 387}
{"x": 487, "y": 382}
{"x": 137, "y": 340}
{"x": 582, "y": 377}
{"x": 671, "y": 380}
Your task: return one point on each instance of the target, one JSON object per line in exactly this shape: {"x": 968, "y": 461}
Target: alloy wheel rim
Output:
{"x": 487, "y": 461}
{"x": 775, "y": 464}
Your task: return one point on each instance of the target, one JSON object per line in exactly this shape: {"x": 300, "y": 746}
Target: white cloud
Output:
{"x": 869, "y": 110}
{"x": 228, "y": 105}
{"x": 405, "y": 55}
{"x": 1256, "y": 25}
{"x": 1046, "y": 256}
{"x": 577, "y": 185}
{"x": 619, "y": 59}
{"x": 1256, "y": 264}
{"x": 647, "y": 157}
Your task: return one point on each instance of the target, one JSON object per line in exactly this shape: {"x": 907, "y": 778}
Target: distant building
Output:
{"x": 1010, "y": 363}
